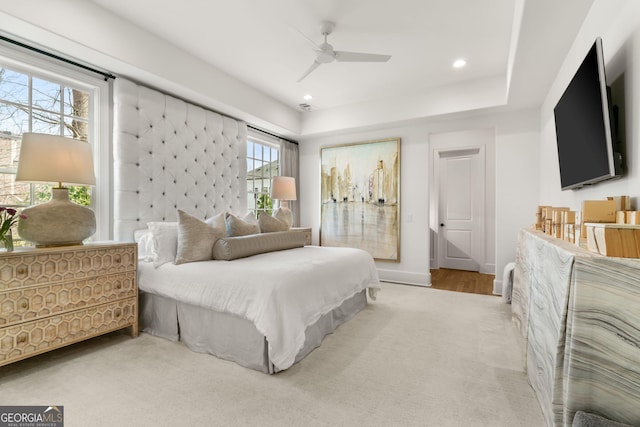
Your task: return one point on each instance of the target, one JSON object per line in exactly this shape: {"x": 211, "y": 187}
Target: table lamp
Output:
{"x": 283, "y": 189}
{"x": 56, "y": 159}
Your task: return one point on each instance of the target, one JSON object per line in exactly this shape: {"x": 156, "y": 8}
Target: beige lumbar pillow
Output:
{"x": 230, "y": 248}
{"x": 195, "y": 239}
{"x": 269, "y": 224}
{"x": 240, "y": 227}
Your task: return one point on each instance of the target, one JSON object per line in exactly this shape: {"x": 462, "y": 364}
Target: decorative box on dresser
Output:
{"x": 306, "y": 231}
{"x": 53, "y": 297}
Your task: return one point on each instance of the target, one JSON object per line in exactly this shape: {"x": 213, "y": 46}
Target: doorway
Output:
{"x": 462, "y": 215}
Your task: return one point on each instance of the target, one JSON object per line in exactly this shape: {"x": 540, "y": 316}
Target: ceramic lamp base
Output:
{"x": 58, "y": 222}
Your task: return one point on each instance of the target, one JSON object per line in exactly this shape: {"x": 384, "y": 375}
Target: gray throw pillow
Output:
{"x": 238, "y": 227}
{"x": 217, "y": 222}
{"x": 269, "y": 224}
{"x": 195, "y": 239}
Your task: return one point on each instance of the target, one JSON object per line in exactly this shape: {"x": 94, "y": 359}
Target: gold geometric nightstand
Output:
{"x": 53, "y": 297}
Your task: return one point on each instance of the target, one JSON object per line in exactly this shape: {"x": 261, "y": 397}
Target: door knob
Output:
{"x": 441, "y": 225}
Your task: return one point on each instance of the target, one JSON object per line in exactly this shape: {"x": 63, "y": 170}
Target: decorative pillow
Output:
{"x": 165, "y": 242}
{"x": 230, "y": 248}
{"x": 195, "y": 239}
{"x": 269, "y": 224}
{"x": 217, "y": 222}
{"x": 284, "y": 215}
{"x": 144, "y": 239}
{"x": 240, "y": 227}
{"x": 250, "y": 217}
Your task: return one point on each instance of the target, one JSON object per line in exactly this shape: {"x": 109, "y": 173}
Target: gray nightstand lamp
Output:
{"x": 283, "y": 189}
{"x": 56, "y": 159}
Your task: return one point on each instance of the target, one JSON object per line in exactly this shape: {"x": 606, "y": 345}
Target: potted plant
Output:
{"x": 8, "y": 217}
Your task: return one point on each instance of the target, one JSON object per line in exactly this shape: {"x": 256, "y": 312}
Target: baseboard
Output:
{"x": 405, "y": 277}
{"x": 488, "y": 269}
{"x": 497, "y": 287}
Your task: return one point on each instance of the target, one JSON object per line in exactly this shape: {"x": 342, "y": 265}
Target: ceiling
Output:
{"x": 268, "y": 45}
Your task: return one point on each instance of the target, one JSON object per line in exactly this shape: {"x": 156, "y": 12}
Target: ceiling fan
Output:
{"x": 326, "y": 54}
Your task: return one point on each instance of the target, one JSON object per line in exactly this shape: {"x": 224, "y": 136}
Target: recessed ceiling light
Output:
{"x": 459, "y": 63}
{"x": 308, "y": 97}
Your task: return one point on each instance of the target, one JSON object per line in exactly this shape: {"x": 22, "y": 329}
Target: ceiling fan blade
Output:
{"x": 360, "y": 57}
{"x": 311, "y": 43}
{"x": 315, "y": 65}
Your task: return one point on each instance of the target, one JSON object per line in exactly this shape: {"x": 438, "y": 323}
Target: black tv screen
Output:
{"x": 583, "y": 125}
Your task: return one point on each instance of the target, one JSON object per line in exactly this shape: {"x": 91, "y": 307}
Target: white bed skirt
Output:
{"x": 228, "y": 336}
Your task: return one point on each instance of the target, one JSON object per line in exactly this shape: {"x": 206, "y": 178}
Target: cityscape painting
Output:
{"x": 360, "y": 197}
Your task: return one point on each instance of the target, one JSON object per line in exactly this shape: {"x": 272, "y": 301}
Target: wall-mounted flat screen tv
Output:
{"x": 583, "y": 126}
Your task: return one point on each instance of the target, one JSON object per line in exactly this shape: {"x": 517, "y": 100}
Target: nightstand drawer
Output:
{"x": 31, "y": 338}
{"x": 24, "y": 304}
{"x": 49, "y": 265}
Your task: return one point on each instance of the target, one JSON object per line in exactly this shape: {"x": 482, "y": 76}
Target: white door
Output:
{"x": 460, "y": 196}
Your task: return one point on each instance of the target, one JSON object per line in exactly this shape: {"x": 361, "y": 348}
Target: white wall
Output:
{"x": 414, "y": 211}
{"x": 618, "y": 23}
{"x": 517, "y": 172}
{"x": 515, "y": 161}
{"x": 83, "y": 31}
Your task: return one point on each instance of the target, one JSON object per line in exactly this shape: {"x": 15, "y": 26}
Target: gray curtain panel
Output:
{"x": 290, "y": 166}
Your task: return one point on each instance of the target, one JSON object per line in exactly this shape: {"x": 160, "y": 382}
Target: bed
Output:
{"x": 266, "y": 310}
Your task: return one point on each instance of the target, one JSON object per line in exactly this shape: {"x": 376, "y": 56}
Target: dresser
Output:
{"x": 579, "y": 315}
{"x": 53, "y": 297}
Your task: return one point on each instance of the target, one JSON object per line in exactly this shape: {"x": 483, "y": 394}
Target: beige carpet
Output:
{"x": 415, "y": 357}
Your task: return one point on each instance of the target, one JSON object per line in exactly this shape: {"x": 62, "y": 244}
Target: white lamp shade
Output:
{"x": 55, "y": 159}
{"x": 283, "y": 188}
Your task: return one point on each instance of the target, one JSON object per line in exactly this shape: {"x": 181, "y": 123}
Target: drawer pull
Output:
{"x": 118, "y": 259}
{"x": 21, "y": 270}
{"x": 22, "y": 339}
{"x": 118, "y": 286}
{"x": 118, "y": 313}
{"x": 25, "y": 305}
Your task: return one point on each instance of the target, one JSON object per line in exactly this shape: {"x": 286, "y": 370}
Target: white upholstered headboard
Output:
{"x": 169, "y": 155}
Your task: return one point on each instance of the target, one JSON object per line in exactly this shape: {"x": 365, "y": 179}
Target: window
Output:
{"x": 37, "y": 95}
{"x": 262, "y": 165}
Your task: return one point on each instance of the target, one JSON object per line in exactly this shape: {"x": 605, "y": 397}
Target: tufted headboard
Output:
{"x": 169, "y": 155}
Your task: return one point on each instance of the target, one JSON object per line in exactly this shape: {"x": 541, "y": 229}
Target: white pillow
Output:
{"x": 144, "y": 239}
{"x": 165, "y": 242}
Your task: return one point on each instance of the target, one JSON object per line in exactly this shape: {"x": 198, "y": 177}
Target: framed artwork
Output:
{"x": 360, "y": 197}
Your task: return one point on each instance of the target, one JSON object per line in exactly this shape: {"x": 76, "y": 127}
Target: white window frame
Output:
{"x": 99, "y": 116}
{"x": 258, "y": 138}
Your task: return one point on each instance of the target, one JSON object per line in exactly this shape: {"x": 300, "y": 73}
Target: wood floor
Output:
{"x": 462, "y": 281}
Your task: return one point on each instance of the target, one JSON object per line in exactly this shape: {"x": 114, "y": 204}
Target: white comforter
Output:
{"x": 281, "y": 292}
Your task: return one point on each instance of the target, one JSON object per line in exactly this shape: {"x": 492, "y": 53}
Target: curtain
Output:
{"x": 290, "y": 166}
